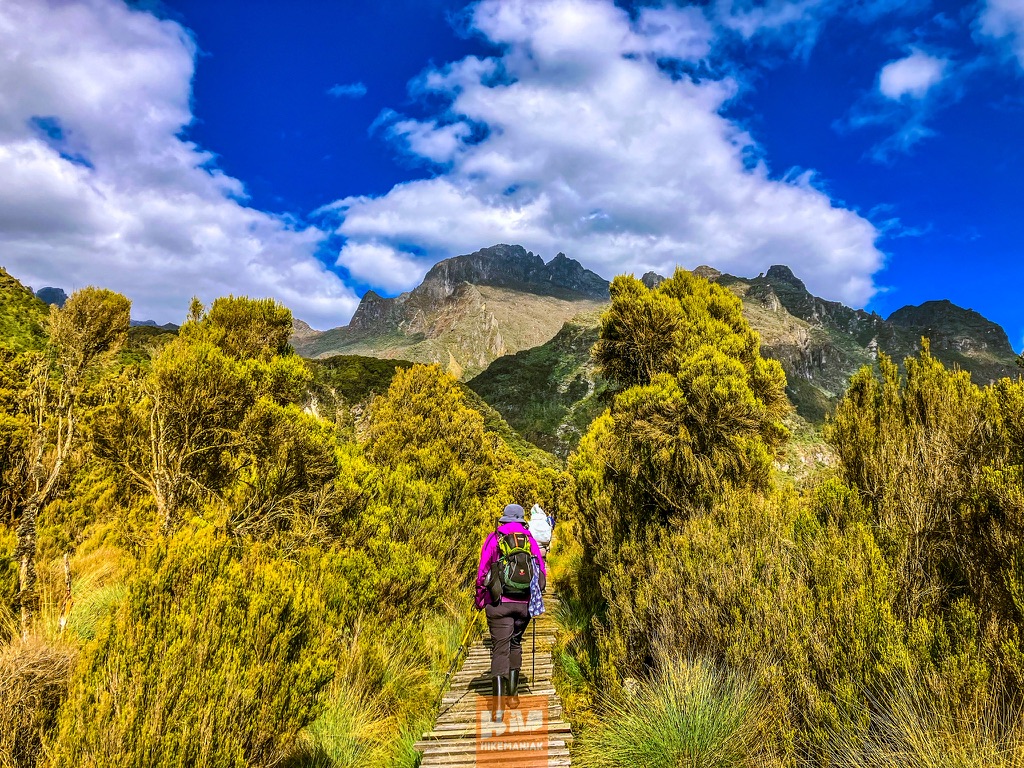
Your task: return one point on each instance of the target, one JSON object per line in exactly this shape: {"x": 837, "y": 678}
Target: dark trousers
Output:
{"x": 507, "y": 623}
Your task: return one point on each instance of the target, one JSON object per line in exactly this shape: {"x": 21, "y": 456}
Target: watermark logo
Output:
{"x": 519, "y": 739}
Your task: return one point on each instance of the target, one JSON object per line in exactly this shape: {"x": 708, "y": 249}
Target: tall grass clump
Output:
{"x": 693, "y": 715}
{"x": 33, "y": 683}
{"x": 912, "y": 728}
{"x": 379, "y": 703}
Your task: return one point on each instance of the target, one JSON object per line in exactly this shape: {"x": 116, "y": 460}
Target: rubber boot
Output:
{"x": 513, "y": 688}
{"x": 497, "y": 689}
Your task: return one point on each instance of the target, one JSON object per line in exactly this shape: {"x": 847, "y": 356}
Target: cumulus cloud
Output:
{"x": 347, "y": 90}
{"x": 98, "y": 187}
{"x": 912, "y": 76}
{"x": 576, "y": 138}
{"x": 1003, "y": 20}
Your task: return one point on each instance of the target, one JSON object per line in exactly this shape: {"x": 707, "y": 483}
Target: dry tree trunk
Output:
{"x": 26, "y": 554}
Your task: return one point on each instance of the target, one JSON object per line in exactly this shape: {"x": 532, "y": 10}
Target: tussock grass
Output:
{"x": 693, "y": 715}
{"x": 33, "y": 684}
{"x": 354, "y": 732}
{"x": 96, "y": 589}
{"x": 381, "y": 700}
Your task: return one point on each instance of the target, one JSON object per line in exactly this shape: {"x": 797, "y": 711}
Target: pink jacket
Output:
{"x": 489, "y": 554}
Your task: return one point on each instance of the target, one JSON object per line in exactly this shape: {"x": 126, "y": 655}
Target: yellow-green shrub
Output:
{"x": 215, "y": 657}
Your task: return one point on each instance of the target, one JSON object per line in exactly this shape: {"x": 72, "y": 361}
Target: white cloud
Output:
{"x": 794, "y": 25}
{"x": 98, "y": 187}
{"x": 908, "y": 93}
{"x": 347, "y": 90}
{"x": 1004, "y": 20}
{"x": 378, "y": 264}
{"x": 914, "y": 76}
{"x": 574, "y": 139}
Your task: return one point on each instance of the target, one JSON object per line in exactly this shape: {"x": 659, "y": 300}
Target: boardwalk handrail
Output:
{"x": 463, "y": 646}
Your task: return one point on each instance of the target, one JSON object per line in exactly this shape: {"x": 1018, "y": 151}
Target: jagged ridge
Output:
{"x": 468, "y": 311}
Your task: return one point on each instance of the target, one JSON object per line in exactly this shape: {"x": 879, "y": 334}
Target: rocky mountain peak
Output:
{"x": 374, "y": 311}
{"x": 512, "y": 266}
{"x": 952, "y": 328}
{"x": 301, "y": 330}
{"x": 51, "y": 295}
{"x": 652, "y": 280}
{"x": 468, "y": 310}
{"x": 708, "y": 273}
{"x": 570, "y": 274}
{"x": 500, "y": 265}
{"x": 779, "y": 273}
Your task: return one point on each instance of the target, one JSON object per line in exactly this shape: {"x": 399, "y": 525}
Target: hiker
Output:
{"x": 509, "y": 584}
{"x": 540, "y": 529}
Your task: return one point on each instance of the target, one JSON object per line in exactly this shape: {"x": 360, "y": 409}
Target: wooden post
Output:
{"x": 65, "y": 611}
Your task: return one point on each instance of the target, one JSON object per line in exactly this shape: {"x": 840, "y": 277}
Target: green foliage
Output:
{"x": 216, "y": 521}
{"x": 242, "y": 327}
{"x": 424, "y": 422}
{"x": 513, "y": 440}
{"x": 436, "y": 468}
{"x": 215, "y": 420}
{"x": 399, "y": 583}
{"x": 939, "y": 465}
{"x": 92, "y": 325}
{"x": 699, "y": 407}
{"x": 15, "y": 428}
{"x": 699, "y": 412}
{"x": 873, "y": 611}
{"x": 243, "y": 660}
{"x": 22, "y": 316}
{"x": 551, "y": 393}
{"x": 353, "y": 378}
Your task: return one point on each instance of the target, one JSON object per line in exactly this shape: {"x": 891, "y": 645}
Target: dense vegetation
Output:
{"x": 870, "y": 618}
{"x": 549, "y": 393}
{"x": 213, "y": 552}
{"x": 199, "y": 567}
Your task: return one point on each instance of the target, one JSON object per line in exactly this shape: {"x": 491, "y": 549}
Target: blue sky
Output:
{"x": 311, "y": 150}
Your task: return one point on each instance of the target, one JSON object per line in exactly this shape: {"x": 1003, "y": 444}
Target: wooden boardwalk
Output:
{"x": 458, "y": 738}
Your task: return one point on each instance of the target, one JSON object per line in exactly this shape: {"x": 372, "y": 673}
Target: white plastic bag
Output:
{"x": 540, "y": 528}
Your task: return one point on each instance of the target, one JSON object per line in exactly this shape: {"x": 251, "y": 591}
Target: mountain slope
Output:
{"x": 821, "y": 343}
{"x": 520, "y": 332}
{"x": 552, "y": 392}
{"x": 468, "y": 311}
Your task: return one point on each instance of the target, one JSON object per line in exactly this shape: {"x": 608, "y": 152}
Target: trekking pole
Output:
{"x": 533, "y": 656}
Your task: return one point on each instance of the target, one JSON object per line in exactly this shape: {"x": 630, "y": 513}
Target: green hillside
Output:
{"x": 552, "y": 392}
{"x": 22, "y": 315}
{"x": 347, "y": 381}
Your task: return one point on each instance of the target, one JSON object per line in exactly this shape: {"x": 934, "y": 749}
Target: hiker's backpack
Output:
{"x": 514, "y": 566}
